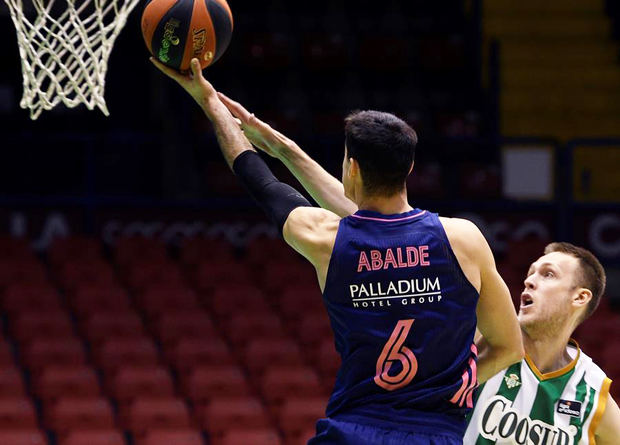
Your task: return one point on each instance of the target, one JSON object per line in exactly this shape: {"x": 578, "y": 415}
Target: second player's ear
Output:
{"x": 582, "y": 297}
{"x": 411, "y": 168}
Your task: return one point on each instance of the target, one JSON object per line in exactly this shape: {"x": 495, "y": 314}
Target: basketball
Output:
{"x": 176, "y": 31}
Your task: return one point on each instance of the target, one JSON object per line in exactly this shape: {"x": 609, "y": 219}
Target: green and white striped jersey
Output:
{"x": 520, "y": 405}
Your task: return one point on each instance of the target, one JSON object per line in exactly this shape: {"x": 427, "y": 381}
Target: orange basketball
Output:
{"x": 176, "y": 31}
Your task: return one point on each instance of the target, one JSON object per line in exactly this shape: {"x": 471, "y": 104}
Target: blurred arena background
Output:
{"x": 127, "y": 244}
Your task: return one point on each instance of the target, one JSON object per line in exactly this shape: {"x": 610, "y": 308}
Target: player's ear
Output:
{"x": 354, "y": 168}
{"x": 411, "y": 168}
{"x": 582, "y": 297}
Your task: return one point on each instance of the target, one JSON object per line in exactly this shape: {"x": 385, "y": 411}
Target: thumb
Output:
{"x": 195, "y": 67}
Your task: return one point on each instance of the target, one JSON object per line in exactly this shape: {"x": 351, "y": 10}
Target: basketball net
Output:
{"x": 64, "y": 50}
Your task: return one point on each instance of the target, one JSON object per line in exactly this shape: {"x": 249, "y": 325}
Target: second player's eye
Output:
{"x": 549, "y": 274}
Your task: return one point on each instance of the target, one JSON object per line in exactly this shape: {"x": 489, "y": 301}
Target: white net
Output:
{"x": 64, "y": 49}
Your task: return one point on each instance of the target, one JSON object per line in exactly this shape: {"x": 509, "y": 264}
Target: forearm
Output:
{"x": 492, "y": 360}
{"x": 276, "y": 198}
{"x": 230, "y": 137}
{"x": 325, "y": 189}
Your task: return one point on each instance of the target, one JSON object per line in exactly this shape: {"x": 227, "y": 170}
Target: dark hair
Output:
{"x": 384, "y": 147}
{"x": 591, "y": 276}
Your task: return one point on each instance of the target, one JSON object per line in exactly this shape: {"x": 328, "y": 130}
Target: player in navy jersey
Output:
{"x": 404, "y": 289}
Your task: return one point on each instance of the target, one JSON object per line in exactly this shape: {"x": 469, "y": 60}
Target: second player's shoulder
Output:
{"x": 593, "y": 373}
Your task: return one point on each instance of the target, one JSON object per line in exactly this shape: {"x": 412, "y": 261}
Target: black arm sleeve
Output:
{"x": 276, "y": 198}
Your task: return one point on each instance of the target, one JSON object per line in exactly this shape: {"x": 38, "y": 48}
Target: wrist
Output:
{"x": 290, "y": 151}
{"x": 209, "y": 105}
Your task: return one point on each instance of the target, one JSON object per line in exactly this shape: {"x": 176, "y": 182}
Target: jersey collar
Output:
{"x": 560, "y": 372}
{"x": 376, "y": 216}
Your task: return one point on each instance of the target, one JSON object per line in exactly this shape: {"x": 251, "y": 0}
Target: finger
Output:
{"x": 195, "y": 67}
{"x": 235, "y": 107}
{"x": 173, "y": 74}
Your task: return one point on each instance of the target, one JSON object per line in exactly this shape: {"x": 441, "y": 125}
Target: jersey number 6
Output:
{"x": 394, "y": 351}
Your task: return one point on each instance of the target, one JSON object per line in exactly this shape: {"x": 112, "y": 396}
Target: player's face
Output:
{"x": 549, "y": 290}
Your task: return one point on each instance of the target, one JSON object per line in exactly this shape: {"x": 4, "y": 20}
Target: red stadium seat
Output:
{"x": 69, "y": 413}
{"x": 139, "y": 248}
{"x": 74, "y": 274}
{"x": 130, "y": 382}
{"x": 524, "y": 251}
{"x": 11, "y": 382}
{"x": 301, "y": 437}
{"x": 297, "y": 415}
{"x": 15, "y": 249}
{"x": 279, "y": 383}
{"x": 145, "y": 413}
{"x": 233, "y": 298}
{"x": 20, "y": 297}
{"x": 244, "y": 326}
{"x": 174, "y": 325}
{"x": 57, "y": 381}
{"x": 160, "y": 299}
{"x": 204, "y": 383}
{"x": 209, "y": 276}
{"x": 263, "y": 353}
{"x": 327, "y": 361}
{"x": 41, "y": 352}
{"x": 48, "y": 324}
{"x": 73, "y": 248}
{"x": 226, "y": 413}
{"x": 609, "y": 356}
{"x": 101, "y": 326}
{"x": 21, "y": 271}
{"x": 296, "y": 303}
{"x": 263, "y": 250}
{"x": 615, "y": 388}
{"x": 313, "y": 329}
{"x": 131, "y": 351}
{"x": 514, "y": 281}
{"x": 88, "y": 299}
{"x": 191, "y": 352}
{"x": 6, "y": 353}
{"x": 197, "y": 249}
{"x": 276, "y": 277}
{"x": 17, "y": 413}
{"x": 604, "y": 310}
{"x": 93, "y": 437}
{"x": 172, "y": 437}
{"x": 478, "y": 180}
{"x": 23, "y": 437}
{"x": 258, "y": 436}
{"x": 143, "y": 274}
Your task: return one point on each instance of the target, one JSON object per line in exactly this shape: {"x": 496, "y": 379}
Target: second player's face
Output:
{"x": 546, "y": 301}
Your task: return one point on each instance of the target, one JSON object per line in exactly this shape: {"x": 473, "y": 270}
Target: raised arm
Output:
{"x": 230, "y": 138}
{"x": 311, "y": 231}
{"x": 325, "y": 189}
{"x": 501, "y": 343}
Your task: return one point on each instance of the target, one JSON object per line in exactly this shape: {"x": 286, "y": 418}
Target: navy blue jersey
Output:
{"x": 404, "y": 318}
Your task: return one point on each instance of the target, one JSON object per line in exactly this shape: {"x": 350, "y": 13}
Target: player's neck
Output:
{"x": 548, "y": 352}
{"x": 389, "y": 205}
